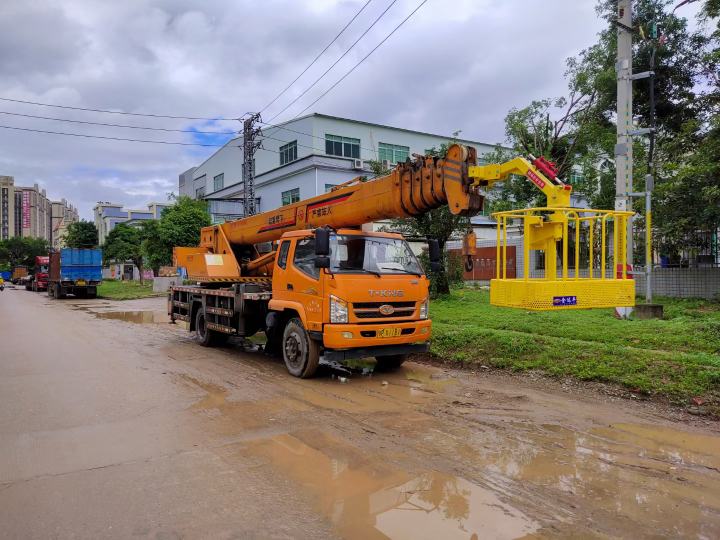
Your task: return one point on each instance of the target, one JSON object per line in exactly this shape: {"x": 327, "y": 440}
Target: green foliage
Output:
{"x": 154, "y": 248}
{"x": 21, "y": 251}
{"x": 81, "y": 234}
{"x": 180, "y": 224}
{"x": 676, "y": 357}
{"x": 124, "y": 243}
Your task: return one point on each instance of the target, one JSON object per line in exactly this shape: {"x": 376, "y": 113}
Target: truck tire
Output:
{"x": 205, "y": 337}
{"x": 58, "y": 292}
{"x": 301, "y": 354}
{"x": 390, "y": 362}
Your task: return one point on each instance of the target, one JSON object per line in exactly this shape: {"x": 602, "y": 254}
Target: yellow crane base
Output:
{"x": 548, "y": 295}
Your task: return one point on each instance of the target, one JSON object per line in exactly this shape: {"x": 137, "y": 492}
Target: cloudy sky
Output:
{"x": 456, "y": 65}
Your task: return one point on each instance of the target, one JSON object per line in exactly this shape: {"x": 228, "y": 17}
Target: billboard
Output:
{"x": 26, "y": 209}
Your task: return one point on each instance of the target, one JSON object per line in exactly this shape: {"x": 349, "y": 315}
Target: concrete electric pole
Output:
{"x": 250, "y": 146}
{"x": 623, "y": 147}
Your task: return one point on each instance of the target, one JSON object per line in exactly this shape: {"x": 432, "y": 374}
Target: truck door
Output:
{"x": 279, "y": 278}
{"x": 304, "y": 280}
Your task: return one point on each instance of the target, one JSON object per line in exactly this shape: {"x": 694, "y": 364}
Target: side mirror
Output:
{"x": 322, "y": 242}
{"x": 322, "y": 261}
{"x": 435, "y": 255}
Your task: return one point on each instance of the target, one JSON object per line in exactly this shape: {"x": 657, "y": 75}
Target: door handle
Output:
{"x": 290, "y": 287}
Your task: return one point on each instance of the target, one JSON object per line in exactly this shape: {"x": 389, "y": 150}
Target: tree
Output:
{"x": 18, "y": 251}
{"x": 155, "y": 250}
{"x": 180, "y": 224}
{"x": 440, "y": 224}
{"x": 81, "y": 234}
{"x": 124, "y": 243}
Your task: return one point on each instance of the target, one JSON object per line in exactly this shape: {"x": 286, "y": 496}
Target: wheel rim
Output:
{"x": 294, "y": 349}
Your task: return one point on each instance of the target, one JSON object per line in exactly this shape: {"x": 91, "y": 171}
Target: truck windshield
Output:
{"x": 372, "y": 254}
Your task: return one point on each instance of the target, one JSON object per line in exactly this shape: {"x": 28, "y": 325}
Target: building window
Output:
{"x": 218, "y": 182}
{"x": 392, "y": 152}
{"x": 342, "y": 146}
{"x": 328, "y": 187}
{"x": 288, "y": 152}
{"x": 290, "y": 196}
{"x": 576, "y": 177}
{"x": 200, "y": 192}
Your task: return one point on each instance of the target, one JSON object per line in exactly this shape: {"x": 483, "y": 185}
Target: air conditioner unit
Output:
{"x": 358, "y": 164}
{"x": 386, "y": 164}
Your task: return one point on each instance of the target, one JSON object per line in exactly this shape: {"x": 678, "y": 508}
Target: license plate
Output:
{"x": 388, "y": 332}
{"x": 80, "y": 282}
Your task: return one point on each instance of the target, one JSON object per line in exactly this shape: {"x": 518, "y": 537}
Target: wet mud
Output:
{"x": 245, "y": 450}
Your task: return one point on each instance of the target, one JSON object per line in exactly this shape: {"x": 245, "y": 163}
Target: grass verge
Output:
{"x": 677, "y": 358}
{"x": 125, "y": 290}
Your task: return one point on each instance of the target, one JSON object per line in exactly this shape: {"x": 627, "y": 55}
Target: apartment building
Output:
{"x": 108, "y": 215}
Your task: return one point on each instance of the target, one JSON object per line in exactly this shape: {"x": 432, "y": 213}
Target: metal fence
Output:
{"x": 691, "y": 279}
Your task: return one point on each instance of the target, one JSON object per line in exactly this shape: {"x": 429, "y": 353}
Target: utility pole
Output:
{"x": 250, "y": 146}
{"x": 623, "y": 147}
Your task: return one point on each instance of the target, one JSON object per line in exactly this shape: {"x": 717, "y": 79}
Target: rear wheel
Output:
{"x": 301, "y": 354}
{"x": 205, "y": 336}
{"x": 390, "y": 363}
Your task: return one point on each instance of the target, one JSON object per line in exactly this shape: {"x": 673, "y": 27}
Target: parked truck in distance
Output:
{"x": 19, "y": 273}
{"x": 38, "y": 280}
{"x": 74, "y": 271}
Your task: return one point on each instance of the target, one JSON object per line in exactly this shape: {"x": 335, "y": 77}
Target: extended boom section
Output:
{"x": 227, "y": 251}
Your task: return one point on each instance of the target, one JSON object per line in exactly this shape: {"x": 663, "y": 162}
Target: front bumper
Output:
{"x": 365, "y": 335}
{"x": 383, "y": 350}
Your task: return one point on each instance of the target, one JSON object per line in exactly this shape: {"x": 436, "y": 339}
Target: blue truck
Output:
{"x": 74, "y": 271}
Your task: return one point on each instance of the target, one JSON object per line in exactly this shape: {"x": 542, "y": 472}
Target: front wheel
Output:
{"x": 390, "y": 363}
{"x": 301, "y": 354}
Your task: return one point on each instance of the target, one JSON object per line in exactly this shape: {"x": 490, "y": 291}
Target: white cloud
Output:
{"x": 455, "y": 65}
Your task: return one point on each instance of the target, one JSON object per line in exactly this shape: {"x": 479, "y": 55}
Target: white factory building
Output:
{"x": 302, "y": 158}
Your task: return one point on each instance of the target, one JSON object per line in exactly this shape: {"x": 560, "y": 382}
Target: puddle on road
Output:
{"x": 138, "y": 317}
{"x": 382, "y": 392}
{"x": 366, "y": 498}
{"x": 635, "y": 480}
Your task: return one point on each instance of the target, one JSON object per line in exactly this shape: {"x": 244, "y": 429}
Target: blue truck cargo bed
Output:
{"x": 78, "y": 264}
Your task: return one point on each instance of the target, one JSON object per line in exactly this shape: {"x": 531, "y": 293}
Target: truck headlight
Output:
{"x": 424, "y": 309}
{"x": 338, "y": 310}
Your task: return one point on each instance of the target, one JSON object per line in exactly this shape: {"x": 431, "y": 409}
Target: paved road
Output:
{"x": 114, "y": 424}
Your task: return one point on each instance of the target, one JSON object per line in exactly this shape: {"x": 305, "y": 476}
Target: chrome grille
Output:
{"x": 371, "y": 310}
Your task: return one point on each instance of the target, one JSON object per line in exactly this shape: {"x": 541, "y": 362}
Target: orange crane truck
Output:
{"x": 327, "y": 288}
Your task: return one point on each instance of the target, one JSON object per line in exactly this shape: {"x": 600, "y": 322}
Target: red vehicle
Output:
{"x": 39, "y": 279}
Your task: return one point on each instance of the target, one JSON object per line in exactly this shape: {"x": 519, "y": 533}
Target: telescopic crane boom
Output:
{"x": 411, "y": 189}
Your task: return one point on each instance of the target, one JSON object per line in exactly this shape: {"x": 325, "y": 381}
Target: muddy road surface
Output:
{"x": 115, "y": 424}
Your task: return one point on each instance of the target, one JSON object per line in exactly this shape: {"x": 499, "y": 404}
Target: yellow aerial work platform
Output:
{"x": 599, "y": 281}
{"x": 602, "y": 282}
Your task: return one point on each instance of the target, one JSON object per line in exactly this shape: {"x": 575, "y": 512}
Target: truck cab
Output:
{"x": 347, "y": 294}
{"x": 40, "y": 276}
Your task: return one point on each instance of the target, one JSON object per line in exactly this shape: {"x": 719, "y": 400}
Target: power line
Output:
{"x": 318, "y": 56}
{"x": 363, "y": 59}
{"x": 118, "y": 112}
{"x": 106, "y": 137}
{"x": 119, "y": 125}
{"x": 336, "y": 61}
